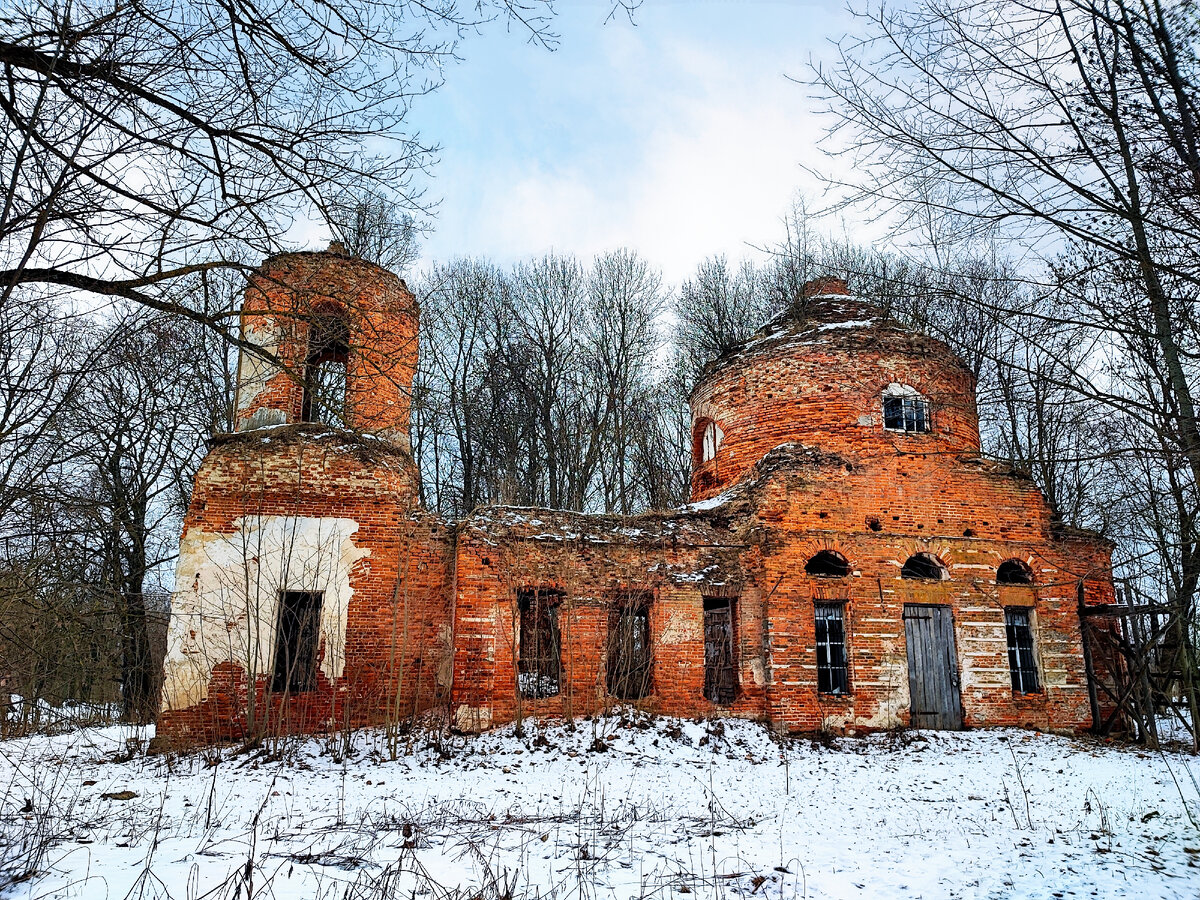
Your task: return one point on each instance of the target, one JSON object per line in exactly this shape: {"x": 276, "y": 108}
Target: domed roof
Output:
{"x": 830, "y": 318}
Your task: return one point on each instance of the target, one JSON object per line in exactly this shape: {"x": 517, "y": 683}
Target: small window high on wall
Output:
{"x": 297, "y": 635}
{"x": 827, "y": 564}
{"x": 629, "y": 658}
{"x": 1013, "y": 571}
{"x": 720, "y": 662}
{"x": 325, "y": 368}
{"x": 832, "y": 674}
{"x": 924, "y": 566}
{"x": 708, "y": 437}
{"x": 539, "y": 665}
{"x": 905, "y": 409}
{"x": 1018, "y": 628}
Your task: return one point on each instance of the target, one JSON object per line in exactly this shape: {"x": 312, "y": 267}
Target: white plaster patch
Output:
{"x": 254, "y": 371}
{"x": 681, "y": 628}
{"x": 226, "y": 603}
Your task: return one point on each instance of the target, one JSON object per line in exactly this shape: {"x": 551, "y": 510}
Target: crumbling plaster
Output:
{"x": 227, "y": 597}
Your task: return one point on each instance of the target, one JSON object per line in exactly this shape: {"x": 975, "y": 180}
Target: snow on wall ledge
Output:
{"x": 226, "y": 603}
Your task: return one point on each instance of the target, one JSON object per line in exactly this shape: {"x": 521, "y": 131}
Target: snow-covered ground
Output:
{"x": 617, "y": 808}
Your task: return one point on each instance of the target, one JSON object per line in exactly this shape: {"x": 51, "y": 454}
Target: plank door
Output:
{"x": 932, "y": 667}
{"x": 720, "y": 669}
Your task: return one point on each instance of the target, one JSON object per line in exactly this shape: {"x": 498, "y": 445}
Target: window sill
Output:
{"x": 827, "y": 697}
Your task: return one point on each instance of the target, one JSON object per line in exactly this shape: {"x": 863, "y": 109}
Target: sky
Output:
{"x": 679, "y": 135}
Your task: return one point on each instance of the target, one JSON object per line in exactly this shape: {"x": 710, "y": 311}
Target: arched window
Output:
{"x": 924, "y": 566}
{"x": 827, "y": 564}
{"x": 325, "y": 368}
{"x": 1013, "y": 571}
{"x": 707, "y": 440}
{"x": 905, "y": 409}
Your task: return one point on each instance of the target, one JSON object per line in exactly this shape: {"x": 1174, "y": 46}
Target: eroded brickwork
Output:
{"x": 795, "y": 454}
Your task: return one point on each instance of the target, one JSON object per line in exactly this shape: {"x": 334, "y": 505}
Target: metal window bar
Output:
{"x": 906, "y": 414}
{"x": 832, "y": 674}
{"x": 1021, "y": 663}
{"x": 539, "y": 664}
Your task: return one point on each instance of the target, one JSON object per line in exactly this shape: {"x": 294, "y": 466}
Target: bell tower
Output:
{"x": 337, "y": 339}
{"x": 304, "y": 550}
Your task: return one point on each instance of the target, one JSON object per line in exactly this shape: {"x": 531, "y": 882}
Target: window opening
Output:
{"x": 832, "y": 676}
{"x": 923, "y": 565}
{"x": 629, "y": 646}
{"x": 325, "y": 369}
{"x": 827, "y": 564}
{"x": 539, "y": 666}
{"x": 1013, "y": 571}
{"x": 720, "y": 664}
{"x": 1019, "y": 631}
{"x": 904, "y": 409}
{"x": 710, "y": 438}
{"x": 296, "y": 640}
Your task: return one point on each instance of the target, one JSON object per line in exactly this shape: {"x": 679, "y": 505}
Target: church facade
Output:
{"x": 849, "y": 560}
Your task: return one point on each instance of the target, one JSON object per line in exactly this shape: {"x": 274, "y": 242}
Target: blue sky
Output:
{"x": 679, "y": 135}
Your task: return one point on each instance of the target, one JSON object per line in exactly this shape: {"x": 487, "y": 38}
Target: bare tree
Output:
{"x": 1068, "y": 128}
{"x": 371, "y": 227}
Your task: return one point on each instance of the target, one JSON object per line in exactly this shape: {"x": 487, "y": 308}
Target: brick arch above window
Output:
{"x": 827, "y": 564}
{"x": 925, "y": 567}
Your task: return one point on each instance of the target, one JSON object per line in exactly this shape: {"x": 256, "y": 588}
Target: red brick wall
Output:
{"x": 823, "y": 389}
{"x": 283, "y": 297}
{"x": 398, "y": 618}
{"x": 757, "y": 548}
{"x": 591, "y": 559}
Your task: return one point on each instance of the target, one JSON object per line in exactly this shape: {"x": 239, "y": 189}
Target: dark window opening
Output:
{"x": 1013, "y": 571}
{"x": 923, "y": 565}
{"x": 720, "y": 660}
{"x": 832, "y": 676}
{"x": 325, "y": 368}
{"x": 629, "y": 646}
{"x": 827, "y": 564}
{"x": 296, "y": 639}
{"x": 539, "y": 666}
{"x": 1019, "y": 631}
{"x": 906, "y": 414}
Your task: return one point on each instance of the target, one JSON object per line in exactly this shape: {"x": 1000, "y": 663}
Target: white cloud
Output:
{"x": 678, "y": 147}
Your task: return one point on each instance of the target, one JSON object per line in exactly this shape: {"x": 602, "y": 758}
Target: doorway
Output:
{"x": 933, "y": 686}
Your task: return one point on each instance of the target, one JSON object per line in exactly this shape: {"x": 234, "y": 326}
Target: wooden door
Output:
{"x": 932, "y": 667}
{"x": 720, "y": 670}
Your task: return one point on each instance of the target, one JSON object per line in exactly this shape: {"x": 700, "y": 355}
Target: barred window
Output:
{"x": 832, "y": 676}
{"x": 904, "y": 409}
{"x": 539, "y": 666}
{"x": 629, "y": 646}
{"x": 1019, "y": 630}
{"x": 720, "y": 661}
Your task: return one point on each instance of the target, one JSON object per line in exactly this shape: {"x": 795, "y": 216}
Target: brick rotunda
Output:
{"x": 849, "y": 561}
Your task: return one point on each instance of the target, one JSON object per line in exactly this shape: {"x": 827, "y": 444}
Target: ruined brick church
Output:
{"x": 849, "y": 560}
